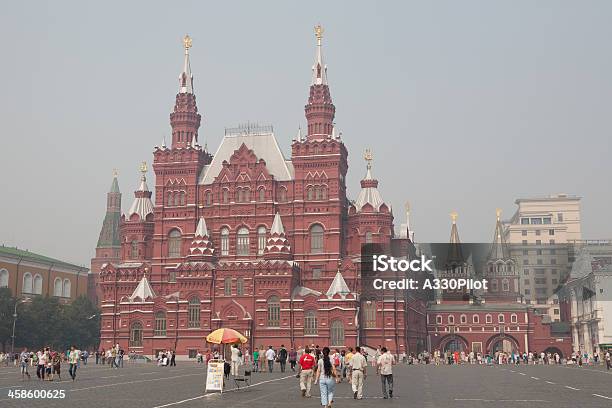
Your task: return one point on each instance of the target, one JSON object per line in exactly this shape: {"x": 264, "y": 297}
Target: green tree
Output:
{"x": 7, "y": 304}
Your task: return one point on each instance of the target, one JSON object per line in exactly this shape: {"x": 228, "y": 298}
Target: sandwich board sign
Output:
{"x": 214, "y": 375}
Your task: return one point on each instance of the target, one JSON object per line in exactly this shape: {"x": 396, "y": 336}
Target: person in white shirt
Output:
{"x": 384, "y": 366}
{"x": 235, "y": 359}
{"x": 358, "y": 372}
{"x": 270, "y": 356}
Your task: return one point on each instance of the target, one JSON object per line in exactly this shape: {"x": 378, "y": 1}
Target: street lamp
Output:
{"x": 15, "y": 321}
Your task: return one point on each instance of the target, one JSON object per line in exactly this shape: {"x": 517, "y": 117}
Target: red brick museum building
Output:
{"x": 248, "y": 239}
{"x": 271, "y": 246}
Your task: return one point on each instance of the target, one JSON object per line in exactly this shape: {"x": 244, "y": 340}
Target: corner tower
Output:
{"x": 108, "y": 248}
{"x": 320, "y": 110}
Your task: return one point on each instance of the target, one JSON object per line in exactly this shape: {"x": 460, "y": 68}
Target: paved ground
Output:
{"x": 148, "y": 386}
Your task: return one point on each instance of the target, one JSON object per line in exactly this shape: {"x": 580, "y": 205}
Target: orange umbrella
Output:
{"x": 226, "y": 336}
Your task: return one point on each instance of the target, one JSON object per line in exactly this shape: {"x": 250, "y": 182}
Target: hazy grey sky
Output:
{"x": 467, "y": 105}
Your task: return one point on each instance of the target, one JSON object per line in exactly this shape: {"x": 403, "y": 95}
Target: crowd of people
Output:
{"x": 47, "y": 362}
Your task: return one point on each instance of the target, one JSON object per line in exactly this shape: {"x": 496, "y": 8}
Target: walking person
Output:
{"x": 256, "y": 360}
{"x": 607, "y": 358}
{"x": 43, "y": 358}
{"x": 292, "y": 359}
{"x": 172, "y": 359}
{"x": 56, "y": 363}
{"x": 73, "y": 360}
{"x": 270, "y": 356}
{"x": 358, "y": 370}
{"x": 282, "y": 358}
{"x": 326, "y": 377}
{"x": 24, "y": 359}
{"x": 307, "y": 363}
{"x": 385, "y": 369}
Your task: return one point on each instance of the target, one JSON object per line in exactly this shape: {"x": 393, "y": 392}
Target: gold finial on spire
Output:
{"x": 187, "y": 42}
{"x": 498, "y": 212}
{"x": 143, "y": 169}
{"x": 318, "y": 33}
{"x": 407, "y": 206}
{"x": 368, "y": 157}
{"x": 454, "y": 216}
{"x": 115, "y": 173}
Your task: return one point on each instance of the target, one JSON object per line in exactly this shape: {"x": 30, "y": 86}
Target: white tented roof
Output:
{"x": 264, "y": 145}
{"x": 338, "y": 286}
{"x": 369, "y": 195}
{"x": 142, "y": 206}
{"x": 143, "y": 290}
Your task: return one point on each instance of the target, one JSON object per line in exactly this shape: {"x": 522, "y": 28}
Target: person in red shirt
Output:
{"x": 307, "y": 363}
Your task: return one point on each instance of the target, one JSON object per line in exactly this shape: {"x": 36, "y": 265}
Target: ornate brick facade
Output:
{"x": 247, "y": 239}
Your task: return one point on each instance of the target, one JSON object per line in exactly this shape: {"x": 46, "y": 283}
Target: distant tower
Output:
{"x": 500, "y": 269}
{"x": 320, "y": 110}
{"x": 108, "y": 248}
{"x": 185, "y": 119}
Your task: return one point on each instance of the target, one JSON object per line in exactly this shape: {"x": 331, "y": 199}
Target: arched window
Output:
{"x": 337, "y": 333}
{"x": 488, "y": 318}
{"x": 500, "y": 318}
{"x": 225, "y": 196}
{"x": 317, "y": 192}
{"x": 274, "y": 311}
{"x": 174, "y": 244}
{"x": 224, "y": 241}
{"x": 475, "y": 319}
{"x": 438, "y": 319}
{"x": 261, "y": 240}
{"x": 240, "y": 286}
{"x": 368, "y": 237}
{"x": 134, "y": 249}
{"x": 239, "y": 196}
{"x": 208, "y": 198}
{"x": 463, "y": 319}
{"x": 505, "y": 285}
{"x": 160, "y": 323}
{"x": 227, "y": 286}
{"x": 494, "y": 285}
{"x": 247, "y": 195}
{"x": 57, "y": 287}
{"x": 194, "y": 312}
{"x": 316, "y": 239}
{"x": 261, "y": 194}
{"x": 513, "y": 318}
{"x": 4, "y": 278}
{"x": 309, "y": 193}
{"x": 136, "y": 334}
{"x": 182, "y": 196}
{"x": 282, "y": 194}
{"x": 451, "y": 319}
{"x": 323, "y": 192}
{"x": 67, "y": 288}
{"x": 169, "y": 202}
{"x": 310, "y": 323}
{"x": 27, "y": 283}
{"x": 242, "y": 242}
{"x": 369, "y": 314}
{"x": 38, "y": 282}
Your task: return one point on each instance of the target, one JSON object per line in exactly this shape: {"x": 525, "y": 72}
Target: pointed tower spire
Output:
{"x": 319, "y": 69}
{"x": 186, "y": 77}
{"x": 499, "y": 249}
{"x": 406, "y": 230}
{"x": 185, "y": 119}
{"x": 454, "y": 250}
{"x": 320, "y": 110}
{"x": 201, "y": 246}
{"x": 142, "y": 204}
{"x": 109, "y": 234}
{"x": 277, "y": 246}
